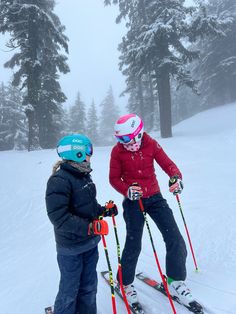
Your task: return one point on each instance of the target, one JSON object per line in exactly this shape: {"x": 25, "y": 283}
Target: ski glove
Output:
{"x": 98, "y": 227}
{"x": 110, "y": 209}
{"x": 175, "y": 185}
{"x": 134, "y": 192}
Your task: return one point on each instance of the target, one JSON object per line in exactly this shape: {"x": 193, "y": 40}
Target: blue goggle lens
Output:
{"x": 125, "y": 139}
{"x": 89, "y": 150}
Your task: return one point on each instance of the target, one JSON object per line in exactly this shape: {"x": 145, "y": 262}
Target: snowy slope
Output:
{"x": 204, "y": 148}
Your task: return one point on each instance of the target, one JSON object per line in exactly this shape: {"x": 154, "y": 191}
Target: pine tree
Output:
{"x": 54, "y": 127}
{"x": 13, "y": 133}
{"x": 4, "y": 116}
{"x": 157, "y": 45}
{"x": 92, "y": 124}
{"x": 49, "y": 113}
{"x": 38, "y": 34}
{"x": 65, "y": 122}
{"x": 109, "y": 115}
{"x": 217, "y": 66}
{"x": 78, "y": 120}
{"x": 142, "y": 100}
{"x": 185, "y": 103}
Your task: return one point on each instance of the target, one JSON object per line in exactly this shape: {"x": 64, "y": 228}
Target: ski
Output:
{"x": 194, "y": 307}
{"x": 48, "y": 310}
{"x": 136, "y": 308}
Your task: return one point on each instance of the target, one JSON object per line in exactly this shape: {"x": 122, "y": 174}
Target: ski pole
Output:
{"x": 186, "y": 228}
{"x": 156, "y": 258}
{"x": 119, "y": 265}
{"x": 113, "y": 301}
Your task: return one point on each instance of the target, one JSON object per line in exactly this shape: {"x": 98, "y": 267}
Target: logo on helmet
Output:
{"x": 78, "y": 147}
{"x": 76, "y": 140}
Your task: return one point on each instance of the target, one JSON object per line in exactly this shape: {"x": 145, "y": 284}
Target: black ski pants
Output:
{"x": 78, "y": 283}
{"x": 157, "y": 208}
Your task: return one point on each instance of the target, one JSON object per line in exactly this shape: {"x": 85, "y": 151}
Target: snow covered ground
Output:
{"x": 204, "y": 148}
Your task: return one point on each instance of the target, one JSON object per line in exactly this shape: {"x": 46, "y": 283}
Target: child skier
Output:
{"x": 73, "y": 210}
{"x": 132, "y": 161}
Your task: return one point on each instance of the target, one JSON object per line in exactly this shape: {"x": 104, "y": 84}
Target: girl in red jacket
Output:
{"x": 132, "y": 161}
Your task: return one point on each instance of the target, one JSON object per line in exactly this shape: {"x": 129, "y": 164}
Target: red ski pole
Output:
{"x": 110, "y": 204}
{"x": 188, "y": 235}
{"x": 113, "y": 299}
{"x": 156, "y": 258}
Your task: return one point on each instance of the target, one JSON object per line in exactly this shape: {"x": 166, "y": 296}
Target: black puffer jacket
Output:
{"x": 71, "y": 205}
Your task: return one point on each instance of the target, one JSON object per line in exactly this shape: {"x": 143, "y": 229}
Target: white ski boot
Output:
{"x": 131, "y": 294}
{"x": 181, "y": 291}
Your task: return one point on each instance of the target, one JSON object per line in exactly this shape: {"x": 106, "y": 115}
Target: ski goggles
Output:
{"x": 89, "y": 150}
{"x": 124, "y": 139}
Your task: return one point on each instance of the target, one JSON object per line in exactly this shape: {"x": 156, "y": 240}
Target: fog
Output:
{"x": 93, "y": 57}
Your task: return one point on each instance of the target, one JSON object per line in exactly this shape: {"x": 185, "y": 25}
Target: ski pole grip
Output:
{"x": 140, "y": 200}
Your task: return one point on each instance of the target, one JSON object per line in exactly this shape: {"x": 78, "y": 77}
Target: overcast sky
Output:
{"x": 94, "y": 37}
{"x": 93, "y": 56}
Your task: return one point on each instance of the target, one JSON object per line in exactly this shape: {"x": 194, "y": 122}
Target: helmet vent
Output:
{"x": 79, "y": 154}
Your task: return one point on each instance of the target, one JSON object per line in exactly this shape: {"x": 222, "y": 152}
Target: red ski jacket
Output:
{"x": 128, "y": 167}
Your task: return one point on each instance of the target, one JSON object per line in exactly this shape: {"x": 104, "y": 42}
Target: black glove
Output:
{"x": 175, "y": 185}
{"x": 98, "y": 227}
{"x": 134, "y": 192}
{"x": 110, "y": 209}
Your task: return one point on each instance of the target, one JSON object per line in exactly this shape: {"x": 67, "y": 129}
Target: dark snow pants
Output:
{"x": 158, "y": 209}
{"x": 78, "y": 283}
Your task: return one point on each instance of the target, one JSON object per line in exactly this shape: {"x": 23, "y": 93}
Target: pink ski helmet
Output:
{"x": 129, "y": 127}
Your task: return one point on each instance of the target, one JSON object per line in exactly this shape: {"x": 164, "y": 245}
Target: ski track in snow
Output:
{"x": 204, "y": 148}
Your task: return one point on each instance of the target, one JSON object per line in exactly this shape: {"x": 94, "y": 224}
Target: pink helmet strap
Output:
{"x": 136, "y": 132}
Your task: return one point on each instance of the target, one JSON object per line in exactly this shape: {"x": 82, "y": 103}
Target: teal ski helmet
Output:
{"x": 75, "y": 147}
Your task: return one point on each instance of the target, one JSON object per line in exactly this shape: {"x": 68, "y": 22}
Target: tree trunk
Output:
{"x": 30, "y": 117}
{"x": 163, "y": 85}
{"x": 152, "y": 100}
{"x": 140, "y": 98}
{"x": 33, "y": 80}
